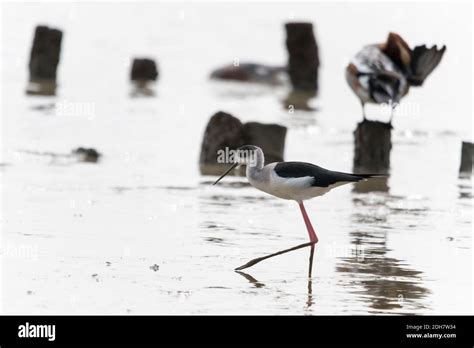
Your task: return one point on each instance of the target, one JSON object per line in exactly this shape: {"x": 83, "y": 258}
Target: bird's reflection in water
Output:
{"x": 310, "y": 300}
{"x": 388, "y": 284}
{"x": 251, "y": 279}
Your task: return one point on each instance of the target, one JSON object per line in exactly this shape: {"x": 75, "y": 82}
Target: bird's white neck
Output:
{"x": 256, "y": 165}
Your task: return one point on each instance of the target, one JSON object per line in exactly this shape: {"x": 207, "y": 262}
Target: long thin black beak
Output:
{"x": 227, "y": 172}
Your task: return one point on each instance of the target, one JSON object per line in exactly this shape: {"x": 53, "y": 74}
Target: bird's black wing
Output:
{"x": 322, "y": 177}
{"x": 384, "y": 85}
{"x": 383, "y": 88}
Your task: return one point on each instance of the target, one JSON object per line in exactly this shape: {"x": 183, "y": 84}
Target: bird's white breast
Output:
{"x": 297, "y": 189}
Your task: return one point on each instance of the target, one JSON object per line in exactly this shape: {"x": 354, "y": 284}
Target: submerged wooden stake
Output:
{"x": 372, "y": 146}
{"x": 303, "y": 59}
{"x": 225, "y": 132}
{"x": 467, "y": 155}
{"x": 259, "y": 259}
{"x": 44, "y": 60}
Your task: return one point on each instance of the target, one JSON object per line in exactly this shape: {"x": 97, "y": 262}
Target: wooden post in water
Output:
{"x": 144, "y": 71}
{"x": 303, "y": 60}
{"x": 303, "y": 64}
{"x": 226, "y": 131}
{"x": 223, "y": 130}
{"x": 44, "y": 60}
{"x": 372, "y": 146}
{"x": 269, "y": 137}
{"x": 467, "y": 154}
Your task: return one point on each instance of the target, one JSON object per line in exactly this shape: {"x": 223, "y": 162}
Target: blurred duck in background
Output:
{"x": 383, "y": 73}
{"x": 252, "y": 72}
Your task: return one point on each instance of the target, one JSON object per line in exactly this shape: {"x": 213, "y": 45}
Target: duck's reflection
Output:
{"x": 387, "y": 283}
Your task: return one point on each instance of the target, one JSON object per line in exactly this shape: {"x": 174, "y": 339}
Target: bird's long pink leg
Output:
{"x": 312, "y": 235}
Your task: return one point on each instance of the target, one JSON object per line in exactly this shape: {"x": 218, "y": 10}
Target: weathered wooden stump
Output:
{"x": 144, "y": 71}
{"x": 467, "y": 154}
{"x": 372, "y": 185}
{"x": 226, "y": 131}
{"x": 372, "y": 145}
{"x": 223, "y": 130}
{"x": 269, "y": 137}
{"x": 299, "y": 100}
{"x": 303, "y": 61}
{"x": 44, "y": 60}
{"x": 86, "y": 154}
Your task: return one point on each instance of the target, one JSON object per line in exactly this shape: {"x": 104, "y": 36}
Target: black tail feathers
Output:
{"x": 424, "y": 60}
{"x": 360, "y": 177}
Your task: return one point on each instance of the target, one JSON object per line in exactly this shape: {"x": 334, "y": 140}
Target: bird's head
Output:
{"x": 246, "y": 154}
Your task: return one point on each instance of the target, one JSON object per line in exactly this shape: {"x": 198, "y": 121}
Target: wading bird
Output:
{"x": 383, "y": 73}
{"x": 296, "y": 181}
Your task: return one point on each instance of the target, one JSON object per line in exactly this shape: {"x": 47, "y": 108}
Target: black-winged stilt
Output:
{"x": 383, "y": 73}
{"x": 296, "y": 181}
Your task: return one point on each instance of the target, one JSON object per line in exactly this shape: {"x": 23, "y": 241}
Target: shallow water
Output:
{"x": 142, "y": 232}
